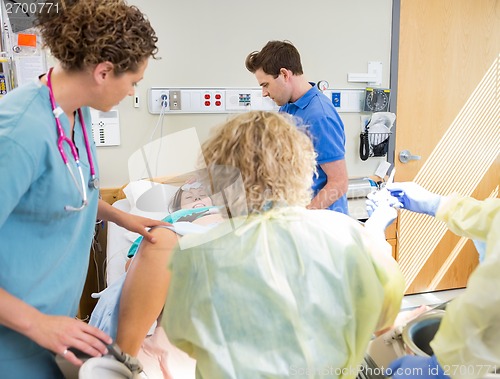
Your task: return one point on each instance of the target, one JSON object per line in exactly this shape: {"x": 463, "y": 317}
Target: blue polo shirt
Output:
{"x": 327, "y": 132}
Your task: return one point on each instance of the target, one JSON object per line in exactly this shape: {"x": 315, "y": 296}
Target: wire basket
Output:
{"x": 373, "y": 144}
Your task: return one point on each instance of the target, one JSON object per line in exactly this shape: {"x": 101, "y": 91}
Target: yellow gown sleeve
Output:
{"x": 466, "y": 343}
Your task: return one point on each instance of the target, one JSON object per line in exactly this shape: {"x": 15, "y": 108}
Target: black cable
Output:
{"x": 364, "y": 146}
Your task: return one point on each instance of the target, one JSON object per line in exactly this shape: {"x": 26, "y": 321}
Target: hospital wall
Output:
{"x": 204, "y": 44}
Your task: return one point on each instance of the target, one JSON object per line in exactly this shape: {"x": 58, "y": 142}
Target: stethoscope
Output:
{"x": 94, "y": 181}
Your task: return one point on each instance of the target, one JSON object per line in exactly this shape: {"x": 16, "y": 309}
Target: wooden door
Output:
{"x": 448, "y": 113}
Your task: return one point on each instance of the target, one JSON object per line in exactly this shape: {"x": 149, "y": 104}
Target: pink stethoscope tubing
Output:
{"x": 62, "y": 139}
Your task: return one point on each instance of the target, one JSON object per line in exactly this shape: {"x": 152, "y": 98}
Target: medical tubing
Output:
{"x": 87, "y": 144}
{"x": 148, "y": 154}
{"x": 160, "y": 140}
{"x": 57, "y": 111}
{"x": 83, "y": 192}
{"x": 74, "y": 178}
{"x": 81, "y": 189}
{"x": 62, "y": 138}
{"x": 60, "y": 141}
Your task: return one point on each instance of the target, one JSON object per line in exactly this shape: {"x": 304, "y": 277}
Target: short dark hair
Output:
{"x": 273, "y": 57}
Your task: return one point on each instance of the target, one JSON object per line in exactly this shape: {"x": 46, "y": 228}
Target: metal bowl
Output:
{"x": 418, "y": 333}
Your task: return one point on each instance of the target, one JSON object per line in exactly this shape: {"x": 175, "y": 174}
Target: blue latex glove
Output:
{"x": 411, "y": 366}
{"x": 380, "y": 198}
{"x": 415, "y": 198}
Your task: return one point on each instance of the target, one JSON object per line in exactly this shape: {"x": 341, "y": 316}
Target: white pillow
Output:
{"x": 148, "y": 199}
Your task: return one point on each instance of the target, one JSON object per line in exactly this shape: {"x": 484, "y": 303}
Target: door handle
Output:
{"x": 405, "y": 156}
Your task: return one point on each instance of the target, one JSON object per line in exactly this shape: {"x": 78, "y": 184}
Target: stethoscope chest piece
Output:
{"x": 94, "y": 183}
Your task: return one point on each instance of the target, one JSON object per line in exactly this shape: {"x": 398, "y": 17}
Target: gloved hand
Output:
{"x": 411, "y": 366}
{"x": 380, "y": 198}
{"x": 415, "y": 198}
{"x": 381, "y": 217}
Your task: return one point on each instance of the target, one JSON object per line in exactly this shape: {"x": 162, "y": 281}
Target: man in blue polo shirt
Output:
{"x": 278, "y": 70}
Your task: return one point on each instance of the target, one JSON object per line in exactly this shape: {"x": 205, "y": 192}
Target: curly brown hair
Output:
{"x": 84, "y": 33}
{"x": 272, "y": 153}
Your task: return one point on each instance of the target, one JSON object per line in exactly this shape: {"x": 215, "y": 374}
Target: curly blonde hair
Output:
{"x": 274, "y": 156}
{"x": 84, "y": 33}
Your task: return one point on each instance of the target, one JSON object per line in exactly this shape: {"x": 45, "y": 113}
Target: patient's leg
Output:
{"x": 145, "y": 290}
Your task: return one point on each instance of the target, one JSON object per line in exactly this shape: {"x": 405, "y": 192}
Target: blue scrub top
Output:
{"x": 44, "y": 252}
{"x": 327, "y": 131}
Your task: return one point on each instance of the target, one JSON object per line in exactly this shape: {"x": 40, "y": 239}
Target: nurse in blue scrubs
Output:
{"x": 49, "y": 193}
